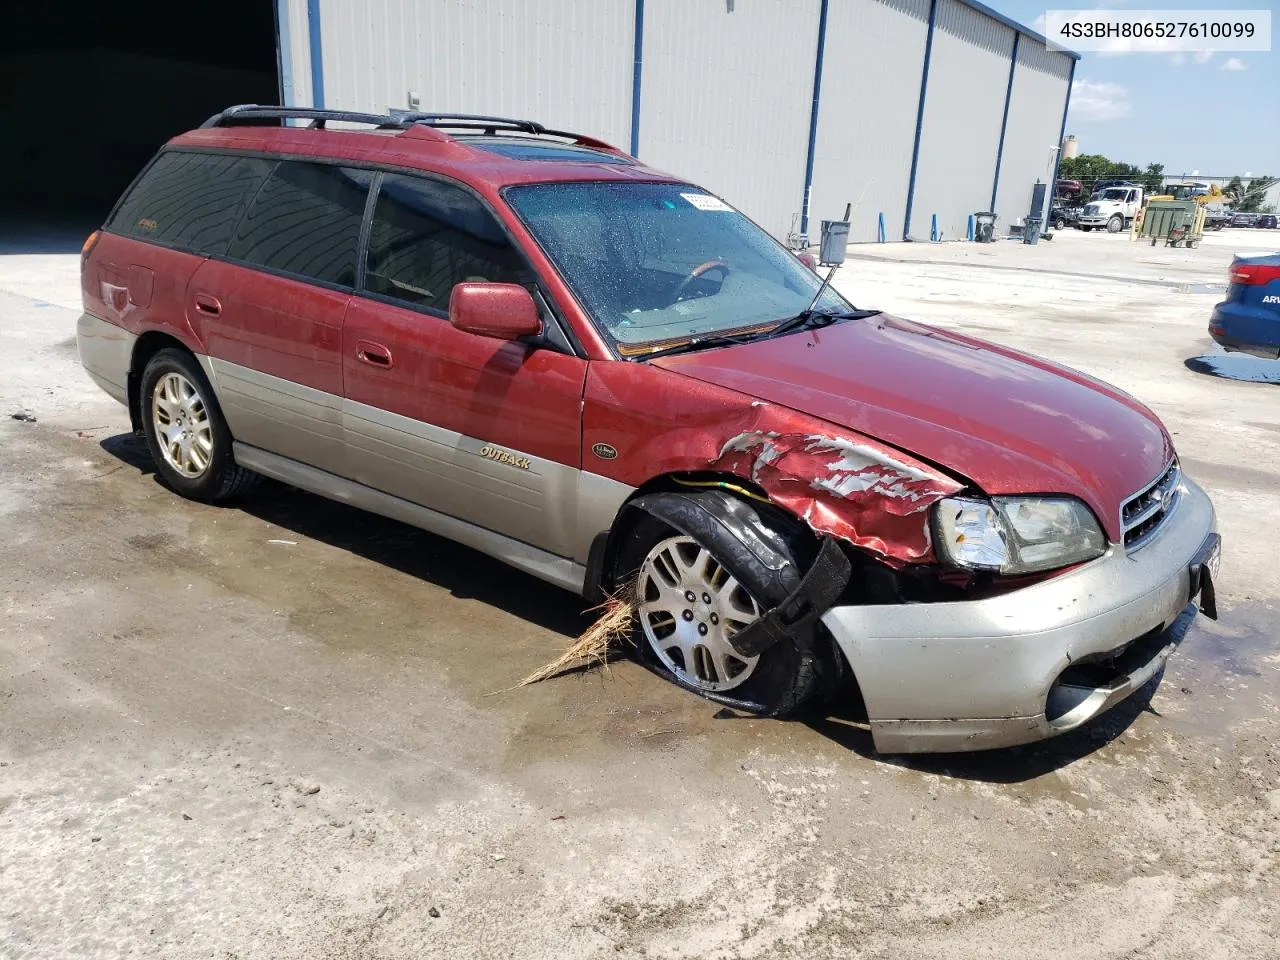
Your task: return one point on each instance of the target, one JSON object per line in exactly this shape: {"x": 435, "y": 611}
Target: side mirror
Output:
{"x": 504, "y": 311}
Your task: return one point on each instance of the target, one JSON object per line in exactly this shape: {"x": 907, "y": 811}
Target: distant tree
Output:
{"x": 1251, "y": 197}
{"x": 1236, "y": 189}
{"x": 1089, "y": 168}
{"x": 1152, "y": 179}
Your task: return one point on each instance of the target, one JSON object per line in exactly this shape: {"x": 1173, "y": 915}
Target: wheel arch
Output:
{"x": 603, "y": 556}
{"x": 145, "y": 347}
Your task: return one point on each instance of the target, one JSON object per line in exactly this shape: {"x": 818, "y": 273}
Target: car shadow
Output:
{"x": 469, "y": 574}
{"x": 1011, "y": 764}
{"x": 465, "y": 573}
{"x": 1235, "y": 366}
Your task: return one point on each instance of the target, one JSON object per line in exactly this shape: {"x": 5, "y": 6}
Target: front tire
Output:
{"x": 1060, "y": 224}
{"x": 1115, "y": 224}
{"x": 1086, "y": 229}
{"x": 186, "y": 432}
{"x": 688, "y": 605}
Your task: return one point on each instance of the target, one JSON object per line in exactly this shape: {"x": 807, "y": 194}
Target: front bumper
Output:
{"x": 1029, "y": 664}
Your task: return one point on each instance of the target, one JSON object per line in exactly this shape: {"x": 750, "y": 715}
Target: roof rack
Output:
{"x": 244, "y": 114}
{"x": 250, "y": 113}
{"x": 470, "y": 121}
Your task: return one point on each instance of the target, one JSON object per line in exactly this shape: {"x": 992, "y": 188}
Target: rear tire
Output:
{"x": 686, "y": 640}
{"x": 186, "y": 432}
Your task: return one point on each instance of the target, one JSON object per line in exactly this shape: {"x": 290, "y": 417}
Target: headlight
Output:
{"x": 1014, "y": 535}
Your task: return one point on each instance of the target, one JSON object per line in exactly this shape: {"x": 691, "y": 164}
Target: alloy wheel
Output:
{"x": 689, "y": 607}
{"x": 181, "y": 422}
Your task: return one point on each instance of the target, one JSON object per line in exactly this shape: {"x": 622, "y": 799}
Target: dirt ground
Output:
{"x": 284, "y": 730}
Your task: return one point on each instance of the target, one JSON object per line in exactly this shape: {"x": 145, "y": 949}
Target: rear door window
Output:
{"x": 305, "y": 221}
{"x": 190, "y": 200}
{"x": 428, "y": 236}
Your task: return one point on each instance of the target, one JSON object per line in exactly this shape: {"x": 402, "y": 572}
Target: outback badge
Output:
{"x": 504, "y": 456}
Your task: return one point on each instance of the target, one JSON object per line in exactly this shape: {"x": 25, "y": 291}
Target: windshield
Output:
{"x": 1114, "y": 193}
{"x": 655, "y": 262}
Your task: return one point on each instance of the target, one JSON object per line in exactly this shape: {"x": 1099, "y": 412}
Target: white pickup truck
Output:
{"x": 1113, "y": 208}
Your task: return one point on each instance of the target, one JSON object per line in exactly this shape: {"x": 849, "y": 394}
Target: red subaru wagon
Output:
{"x": 527, "y": 341}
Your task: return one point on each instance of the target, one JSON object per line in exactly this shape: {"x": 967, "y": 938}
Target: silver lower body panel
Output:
{"x": 541, "y": 564}
{"x": 106, "y": 351}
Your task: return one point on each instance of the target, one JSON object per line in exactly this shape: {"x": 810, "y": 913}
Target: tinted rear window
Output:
{"x": 305, "y": 221}
{"x": 190, "y": 200}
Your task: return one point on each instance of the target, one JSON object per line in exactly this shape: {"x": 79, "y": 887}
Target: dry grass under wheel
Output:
{"x": 592, "y": 648}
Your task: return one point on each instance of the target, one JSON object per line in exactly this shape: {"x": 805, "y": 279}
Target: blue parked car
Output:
{"x": 1248, "y": 321}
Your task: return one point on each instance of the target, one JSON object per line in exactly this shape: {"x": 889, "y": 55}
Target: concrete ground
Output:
{"x": 284, "y": 729}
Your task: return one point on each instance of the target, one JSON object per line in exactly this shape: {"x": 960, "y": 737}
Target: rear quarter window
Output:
{"x": 189, "y": 200}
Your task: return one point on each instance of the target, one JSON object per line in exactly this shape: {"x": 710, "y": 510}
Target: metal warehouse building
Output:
{"x": 910, "y": 109}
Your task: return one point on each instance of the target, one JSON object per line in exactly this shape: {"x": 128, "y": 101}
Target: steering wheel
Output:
{"x": 697, "y": 273}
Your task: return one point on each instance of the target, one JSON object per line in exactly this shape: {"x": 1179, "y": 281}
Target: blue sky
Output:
{"x": 1218, "y": 114}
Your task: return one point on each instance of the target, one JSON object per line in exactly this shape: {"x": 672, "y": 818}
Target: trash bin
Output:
{"x": 1031, "y": 233}
{"x": 984, "y": 227}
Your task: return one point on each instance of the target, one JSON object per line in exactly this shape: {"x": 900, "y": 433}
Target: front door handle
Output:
{"x": 208, "y": 305}
{"x": 374, "y": 354}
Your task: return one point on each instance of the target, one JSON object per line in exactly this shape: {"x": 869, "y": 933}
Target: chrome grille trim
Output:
{"x": 1144, "y": 513}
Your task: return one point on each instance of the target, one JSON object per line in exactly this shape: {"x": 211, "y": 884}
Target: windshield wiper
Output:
{"x": 818, "y": 318}
{"x": 807, "y": 318}
{"x": 699, "y": 343}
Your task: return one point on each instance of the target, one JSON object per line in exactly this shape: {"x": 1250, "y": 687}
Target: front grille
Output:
{"x": 1145, "y": 512}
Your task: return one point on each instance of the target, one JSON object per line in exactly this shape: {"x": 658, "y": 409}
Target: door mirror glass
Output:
{"x": 505, "y": 311}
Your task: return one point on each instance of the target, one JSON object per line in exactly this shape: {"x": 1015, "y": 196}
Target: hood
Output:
{"x": 1005, "y": 421}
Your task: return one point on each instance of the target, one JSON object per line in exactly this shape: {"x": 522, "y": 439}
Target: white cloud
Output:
{"x": 1202, "y": 57}
{"x": 1095, "y": 100}
{"x": 1234, "y": 65}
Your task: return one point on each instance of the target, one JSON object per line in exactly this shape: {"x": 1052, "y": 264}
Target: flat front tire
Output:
{"x": 688, "y": 606}
{"x": 185, "y": 430}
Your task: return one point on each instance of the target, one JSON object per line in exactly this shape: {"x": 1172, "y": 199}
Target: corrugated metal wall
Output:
{"x": 726, "y": 92}
{"x": 568, "y": 64}
{"x": 293, "y": 16}
{"x": 1035, "y": 117}
{"x": 963, "y": 109}
{"x": 867, "y": 113}
{"x": 726, "y": 98}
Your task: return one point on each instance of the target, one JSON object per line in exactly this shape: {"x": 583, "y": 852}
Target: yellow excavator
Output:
{"x": 1196, "y": 190}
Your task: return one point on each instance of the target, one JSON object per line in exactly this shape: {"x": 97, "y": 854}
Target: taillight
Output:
{"x": 90, "y": 242}
{"x": 1254, "y": 274}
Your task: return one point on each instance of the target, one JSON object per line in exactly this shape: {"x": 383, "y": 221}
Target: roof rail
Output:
{"x": 492, "y": 125}
{"x": 248, "y": 113}
{"x": 394, "y": 119}
{"x": 468, "y": 121}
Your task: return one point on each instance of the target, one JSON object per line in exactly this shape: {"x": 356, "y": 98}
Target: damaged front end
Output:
{"x": 862, "y": 493}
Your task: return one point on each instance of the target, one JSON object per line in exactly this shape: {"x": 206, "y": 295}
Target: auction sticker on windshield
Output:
{"x": 705, "y": 201}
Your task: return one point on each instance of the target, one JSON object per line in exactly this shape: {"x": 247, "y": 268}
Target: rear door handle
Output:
{"x": 374, "y": 354}
{"x": 208, "y": 305}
